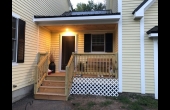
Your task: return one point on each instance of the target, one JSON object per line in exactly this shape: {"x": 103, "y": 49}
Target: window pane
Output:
{"x": 14, "y": 22}
{"x": 98, "y": 48}
{"x": 12, "y": 55}
{"x": 13, "y": 27}
{"x": 13, "y": 50}
{"x": 13, "y": 33}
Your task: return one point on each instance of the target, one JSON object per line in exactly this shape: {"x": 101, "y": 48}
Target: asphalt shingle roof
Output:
{"x": 80, "y": 13}
{"x": 153, "y": 30}
{"x": 137, "y": 8}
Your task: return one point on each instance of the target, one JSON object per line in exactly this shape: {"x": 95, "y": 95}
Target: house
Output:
{"x": 115, "y": 48}
{"x": 28, "y": 39}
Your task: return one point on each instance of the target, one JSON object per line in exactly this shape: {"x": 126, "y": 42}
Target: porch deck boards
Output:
{"x": 92, "y": 76}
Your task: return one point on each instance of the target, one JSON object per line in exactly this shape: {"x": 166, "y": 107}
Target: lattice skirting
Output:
{"x": 95, "y": 86}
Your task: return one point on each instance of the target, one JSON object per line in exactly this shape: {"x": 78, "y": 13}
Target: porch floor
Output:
{"x": 83, "y": 76}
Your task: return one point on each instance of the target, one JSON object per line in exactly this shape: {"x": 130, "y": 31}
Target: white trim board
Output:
{"x": 76, "y": 41}
{"x": 142, "y": 56}
{"x": 140, "y": 13}
{"x": 15, "y": 15}
{"x": 153, "y": 35}
{"x": 155, "y": 40}
{"x": 120, "y": 46}
{"x": 77, "y": 20}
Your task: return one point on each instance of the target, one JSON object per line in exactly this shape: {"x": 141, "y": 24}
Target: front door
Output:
{"x": 68, "y": 46}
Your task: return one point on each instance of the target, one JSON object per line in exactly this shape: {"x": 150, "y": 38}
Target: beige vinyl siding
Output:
{"x": 44, "y": 40}
{"x": 115, "y": 40}
{"x": 112, "y": 4}
{"x": 80, "y": 43}
{"x": 151, "y": 20}
{"x": 55, "y": 45}
{"x": 130, "y": 48}
{"x": 23, "y": 73}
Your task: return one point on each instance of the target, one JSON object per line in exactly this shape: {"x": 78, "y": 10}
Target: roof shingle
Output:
{"x": 80, "y": 13}
{"x": 137, "y": 8}
{"x": 153, "y": 30}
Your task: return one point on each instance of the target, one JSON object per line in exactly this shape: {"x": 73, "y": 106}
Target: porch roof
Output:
{"x": 80, "y": 13}
{"x": 76, "y": 17}
{"x": 137, "y": 8}
{"x": 140, "y": 10}
{"x": 153, "y": 32}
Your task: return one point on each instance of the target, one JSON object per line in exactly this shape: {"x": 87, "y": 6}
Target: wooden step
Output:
{"x": 53, "y": 83}
{"x": 55, "y": 78}
{"x": 58, "y": 74}
{"x": 49, "y": 96}
{"x": 51, "y": 89}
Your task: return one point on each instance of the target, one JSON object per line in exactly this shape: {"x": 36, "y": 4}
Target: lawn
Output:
{"x": 124, "y": 101}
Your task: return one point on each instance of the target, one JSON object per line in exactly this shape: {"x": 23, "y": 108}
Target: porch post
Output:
{"x": 155, "y": 40}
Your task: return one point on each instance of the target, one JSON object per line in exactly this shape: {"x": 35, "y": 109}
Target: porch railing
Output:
{"x": 69, "y": 75}
{"x": 96, "y": 64}
{"x": 41, "y": 70}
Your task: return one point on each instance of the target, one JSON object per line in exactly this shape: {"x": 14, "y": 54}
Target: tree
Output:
{"x": 91, "y": 6}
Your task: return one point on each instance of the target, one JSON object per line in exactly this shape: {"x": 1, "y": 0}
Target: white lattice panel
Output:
{"x": 95, "y": 86}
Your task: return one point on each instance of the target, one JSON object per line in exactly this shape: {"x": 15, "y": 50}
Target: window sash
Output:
{"x": 14, "y": 39}
{"x": 98, "y": 41}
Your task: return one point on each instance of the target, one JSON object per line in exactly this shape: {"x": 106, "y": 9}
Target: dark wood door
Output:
{"x": 68, "y": 46}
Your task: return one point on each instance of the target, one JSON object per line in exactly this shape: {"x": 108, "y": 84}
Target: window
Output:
{"x": 98, "y": 42}
{"x": 18, "y": 40}
{"x": 14, "y": 38}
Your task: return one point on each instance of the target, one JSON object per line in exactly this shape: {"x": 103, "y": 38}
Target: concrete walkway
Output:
{"x": 29, "y": 103}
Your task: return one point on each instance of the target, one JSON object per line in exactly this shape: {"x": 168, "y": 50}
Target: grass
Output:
{"x": 139, "y": 103}
{"x": 76, "y": 104}
{"x": 124, "y": 99}
{"x": 135, "y": 106}
{"x": 106, "y": 103}
{"x": 147, "y": 102}
{"x": 128, "y": 102}
{"x": 90, "y": 104}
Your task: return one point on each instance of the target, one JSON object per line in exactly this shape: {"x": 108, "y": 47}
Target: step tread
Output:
{"x": 57, "y": 74}
{"x": 46, "y": 93}
{"x": 54, "y": 81}
{"x": 52, "y": 87}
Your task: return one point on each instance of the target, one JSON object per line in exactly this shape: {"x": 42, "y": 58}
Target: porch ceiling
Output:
{"x": 92, "y": 27}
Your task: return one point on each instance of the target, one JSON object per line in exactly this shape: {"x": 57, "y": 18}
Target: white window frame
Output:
{"x": 92, "y": 43}
{"x": 14, "y": 63}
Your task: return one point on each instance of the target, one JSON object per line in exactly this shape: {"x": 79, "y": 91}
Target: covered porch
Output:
{"x": 85, "y": 48}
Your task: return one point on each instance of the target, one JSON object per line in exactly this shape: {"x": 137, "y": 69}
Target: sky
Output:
{"x": 74, "y": 2}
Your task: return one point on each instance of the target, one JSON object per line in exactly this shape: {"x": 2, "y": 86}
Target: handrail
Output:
{"x": 41, "y": 70}
{"x": 69, "y": 75}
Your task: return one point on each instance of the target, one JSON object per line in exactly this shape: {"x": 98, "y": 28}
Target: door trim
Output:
{"x": 61, "y": 35}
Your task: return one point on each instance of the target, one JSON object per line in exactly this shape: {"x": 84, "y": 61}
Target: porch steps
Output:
{"x": 52, "y": 88}
{"x": 50, "y": 96}
{"x": 56, "y": 76}
{"x": 53, "y": 83}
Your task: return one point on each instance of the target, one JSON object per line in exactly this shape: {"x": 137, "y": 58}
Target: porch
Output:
{"x": 94, "y": 74}
{"x": 85, "y": 50}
